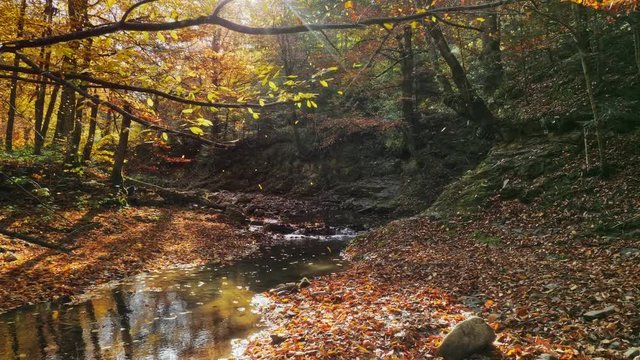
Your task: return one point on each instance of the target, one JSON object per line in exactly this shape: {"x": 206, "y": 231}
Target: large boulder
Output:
{"x": 468, "y": 337}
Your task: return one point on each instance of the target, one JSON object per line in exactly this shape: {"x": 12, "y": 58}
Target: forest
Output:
{"x": 326, "y": 179}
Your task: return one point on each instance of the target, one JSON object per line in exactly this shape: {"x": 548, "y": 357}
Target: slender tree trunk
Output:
{"x": 470, "y": 104}
{"x": 405, "y": 41}
{"x": 45, "y": 53}
{"x": 73, "y": 143}
{"x": 597, "y": 124}
{"x": 13, "y": 94}
{"x": 634, "y": 21}
{"x": 491, "y": 56}
{"x": 582, "y": 43}
{"x": 41, "y": 136}
{"x": 88, "y": 146}
{"x": 121, "y": 150}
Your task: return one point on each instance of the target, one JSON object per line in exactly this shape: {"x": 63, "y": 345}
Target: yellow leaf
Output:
{"x": 348, "y": 5}
{"x": 340, "y": 92}
{"x": 196, "y": 130}
{"x": 261, "y": 102}
{"x": 187, "y": 111}
{"x": 161, "y": 37}
{"x": 165, "y": 137}
{"x": 150, "y": 102}
{"x": 479, "y": 19}
{"x": 414, "y": 24}
{"x": 434, "y": 19}
{"x": 174, "y": 34}
{"x": 324, "y": 83}
{"x": 388, "y": 26}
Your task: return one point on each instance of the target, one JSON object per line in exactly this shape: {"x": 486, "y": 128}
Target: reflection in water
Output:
{"x": 189, "y": 313}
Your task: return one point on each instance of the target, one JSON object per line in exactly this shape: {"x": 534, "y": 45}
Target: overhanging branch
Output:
{"x": 96, "y": 100}
{"x": 214, "y": 19}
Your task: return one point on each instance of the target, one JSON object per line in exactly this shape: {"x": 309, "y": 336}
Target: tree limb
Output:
{"x": 110, "y": 28}
{"x": 34, "y": 241}
{"x": 96, "y": 100}
{"x": 116, "y": 86}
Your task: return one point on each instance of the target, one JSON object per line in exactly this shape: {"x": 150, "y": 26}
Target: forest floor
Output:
{"x": 109, "y": 244}
{"x": 531, "y": 269}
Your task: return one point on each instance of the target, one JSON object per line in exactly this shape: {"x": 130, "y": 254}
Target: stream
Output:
{"x": 205, "y": 312}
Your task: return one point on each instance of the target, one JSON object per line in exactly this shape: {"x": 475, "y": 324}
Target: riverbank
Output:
{"x": 110, "y": 244}
{"x": 521, "y": 242}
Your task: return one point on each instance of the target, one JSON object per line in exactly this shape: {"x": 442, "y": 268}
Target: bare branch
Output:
{"x": 220, "y": 6}
{"x": 132, "y": 8}
{"x": 216, "y": 20}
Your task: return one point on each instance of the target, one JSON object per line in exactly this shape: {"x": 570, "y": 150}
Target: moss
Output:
{"x": 487, "y": 239}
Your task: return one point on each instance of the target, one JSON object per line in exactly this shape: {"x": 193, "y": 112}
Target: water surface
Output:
{"x": 188, "y": 313}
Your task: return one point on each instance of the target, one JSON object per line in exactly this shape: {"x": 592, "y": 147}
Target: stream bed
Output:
{"x": 205, "y": 312}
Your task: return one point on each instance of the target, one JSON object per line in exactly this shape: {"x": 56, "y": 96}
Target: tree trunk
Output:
{"x": 13, "y": 94}
{"x": 73, "y": 143}
{"x": 469, "y": 104}
{"x": 45, "y": 53}
{"x": 634, "y": 21}
{"x": 88, "y": 146}
{"x": 121, "y": 151}
{"x": 41, "y": 136}
{"x": 66, "y": 113}
{"x": 408, "y": 88}
{"x": 582, "y": 43}
{"x": 491, "y": 56}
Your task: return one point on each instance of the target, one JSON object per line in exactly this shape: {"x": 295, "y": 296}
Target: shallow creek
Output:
{"x": 203, "y": 312}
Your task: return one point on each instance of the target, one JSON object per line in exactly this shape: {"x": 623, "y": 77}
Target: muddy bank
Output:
{"x": 365, "y": 170}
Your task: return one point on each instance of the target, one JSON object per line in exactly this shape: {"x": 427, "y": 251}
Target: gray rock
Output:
{"x": 599, "y": 314}
{"x": 547, "y": 357}
{"x": 632, "y": 353}
{"x": 468, "y": 337}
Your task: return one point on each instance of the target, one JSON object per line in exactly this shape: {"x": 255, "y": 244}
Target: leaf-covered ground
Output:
{"x": 115, "y": 244}
{"x": 531, "y": 270}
